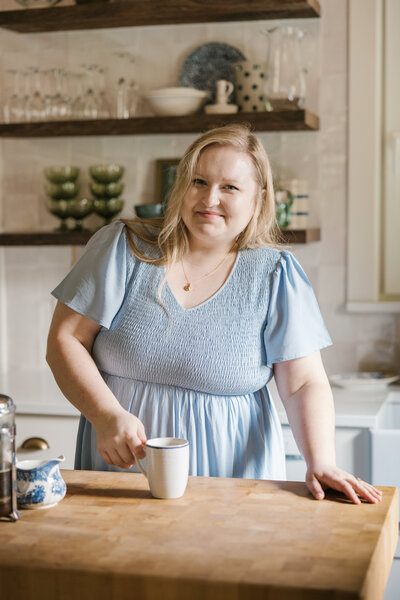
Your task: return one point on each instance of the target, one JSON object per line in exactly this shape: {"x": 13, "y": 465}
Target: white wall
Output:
{"x": 360, "y": 341}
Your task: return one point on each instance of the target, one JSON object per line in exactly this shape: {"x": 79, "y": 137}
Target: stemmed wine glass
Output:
{"x": 14, "y": 107}
{"x": 35, "y": 104}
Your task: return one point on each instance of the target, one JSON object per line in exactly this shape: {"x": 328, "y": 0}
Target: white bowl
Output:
{"x": 176, "y": 101}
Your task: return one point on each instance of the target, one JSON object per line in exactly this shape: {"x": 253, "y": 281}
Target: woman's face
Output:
{"x": 222, "y": 198}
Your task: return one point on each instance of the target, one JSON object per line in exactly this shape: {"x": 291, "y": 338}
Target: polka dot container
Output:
{"x": 250, "y": 80}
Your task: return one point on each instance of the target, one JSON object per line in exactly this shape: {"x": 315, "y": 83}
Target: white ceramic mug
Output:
{"x": 167, "y": 466}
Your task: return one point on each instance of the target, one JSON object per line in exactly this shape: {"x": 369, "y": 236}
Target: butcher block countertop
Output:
{"x": 225, "y": 539}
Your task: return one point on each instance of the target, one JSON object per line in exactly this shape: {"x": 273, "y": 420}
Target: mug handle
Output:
{"x": 142, "y": 469}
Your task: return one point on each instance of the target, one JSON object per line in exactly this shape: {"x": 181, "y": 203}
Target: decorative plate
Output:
{"x": 363, "y": 380}
{"x": 206, "y": 64}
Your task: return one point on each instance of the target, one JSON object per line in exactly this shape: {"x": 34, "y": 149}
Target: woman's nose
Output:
{"x": 211, "y": 197}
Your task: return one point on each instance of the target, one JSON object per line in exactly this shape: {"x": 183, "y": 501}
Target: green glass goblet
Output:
{"x": 106, "y": 173}
{"x": 61, "y": 174}
{"x": 62, "y": 191}
{"x": 59, "y": 208}
{"x": 78, "y": 209}
{"x": 106, "y": 190}
{"x": 108, "y": 207}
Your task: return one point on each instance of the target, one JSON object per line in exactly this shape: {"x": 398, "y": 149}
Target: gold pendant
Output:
{"x": 187, "y": 287}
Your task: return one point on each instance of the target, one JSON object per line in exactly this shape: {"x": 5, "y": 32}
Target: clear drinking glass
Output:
{"x": 78, "y": 90}
{"x": 126, "y": 96}
{"x": 104, "y": 106}
{"x": 90, "y": 101}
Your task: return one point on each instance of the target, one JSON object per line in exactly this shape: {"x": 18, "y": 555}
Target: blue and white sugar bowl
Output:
{"x": 39, "y": 483}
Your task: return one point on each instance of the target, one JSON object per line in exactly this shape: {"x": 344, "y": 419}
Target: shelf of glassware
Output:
{"x": 277, "y": 120}
{"x": 120, "y": 13}
{"x": 80, "y": 238}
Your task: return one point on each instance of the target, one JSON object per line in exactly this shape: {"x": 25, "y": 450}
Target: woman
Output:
{"x": 175, "y": 328}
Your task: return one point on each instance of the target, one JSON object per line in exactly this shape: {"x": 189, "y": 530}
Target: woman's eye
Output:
{"x": 198, "y": 181}
{"x": 231, "y": 187}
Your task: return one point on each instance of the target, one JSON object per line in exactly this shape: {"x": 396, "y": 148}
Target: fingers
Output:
{"x": 315, "y": 488}
{"x": 122, "y": 458}
{"x": 136, "y": 446}
{"x": 349, "y": 491}
{"x": 354, "y": 488}
{"x": 367, "y": 491}
{"x": 137, "y": 442}
{"x": 121, "y": 439}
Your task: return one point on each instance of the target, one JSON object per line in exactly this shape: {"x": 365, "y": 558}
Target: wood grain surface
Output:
{"x": 225, "y": 539}
{"x": 79, "y": 238}
{"x": 276, "y": 120}
{"x": 121, "y": 13}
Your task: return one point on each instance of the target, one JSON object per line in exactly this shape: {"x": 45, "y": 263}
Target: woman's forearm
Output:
{"x": 311, "y": 415}
{"x": 79, "y": 379}
{"x": 119, "y": 435}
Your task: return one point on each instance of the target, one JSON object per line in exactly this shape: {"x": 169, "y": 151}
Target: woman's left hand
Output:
{"x": 321, "y": 477}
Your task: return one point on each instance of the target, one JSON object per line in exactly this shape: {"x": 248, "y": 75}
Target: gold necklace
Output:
{"x": 188, "y": 286}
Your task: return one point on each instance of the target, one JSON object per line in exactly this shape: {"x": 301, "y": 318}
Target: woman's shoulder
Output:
{"x": 266, "y": 257}
{"x": 144, "y": 237}
{"x": 124, "y": 233}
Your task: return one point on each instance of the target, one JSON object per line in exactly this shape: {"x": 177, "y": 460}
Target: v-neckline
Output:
{"x": 219, "y": 290}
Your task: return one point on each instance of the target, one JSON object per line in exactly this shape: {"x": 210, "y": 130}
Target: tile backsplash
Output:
{"x": 27, "y": 274}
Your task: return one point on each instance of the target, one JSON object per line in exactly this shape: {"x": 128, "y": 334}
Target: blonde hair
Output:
{"x": 169, "y": 233}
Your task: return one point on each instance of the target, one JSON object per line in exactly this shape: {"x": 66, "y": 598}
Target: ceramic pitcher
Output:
{"x": 39, "y": 483}
{"x": 286, "y": 84}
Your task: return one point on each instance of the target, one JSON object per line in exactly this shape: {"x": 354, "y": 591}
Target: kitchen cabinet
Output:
{"x": 352, "y": 453}
{"x": 392, "y": 591}
{"x": 58, "y": 431}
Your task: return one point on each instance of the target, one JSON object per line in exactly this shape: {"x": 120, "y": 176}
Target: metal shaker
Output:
{"x": 8, "y": 473}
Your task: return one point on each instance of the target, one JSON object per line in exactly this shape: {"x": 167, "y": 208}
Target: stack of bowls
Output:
{"x": 62, "y": 188}
{"x": 106, "y": 188}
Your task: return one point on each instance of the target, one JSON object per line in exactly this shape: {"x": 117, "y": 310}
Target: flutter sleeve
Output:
{"x": 95, "y": 287}
{"x": 294, "y": 327}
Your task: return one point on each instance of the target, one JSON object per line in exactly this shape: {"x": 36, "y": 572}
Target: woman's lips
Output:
{"x": 209, "y": 214}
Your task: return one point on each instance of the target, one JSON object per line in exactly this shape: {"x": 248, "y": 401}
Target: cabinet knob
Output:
{"x": 35, "y": 443}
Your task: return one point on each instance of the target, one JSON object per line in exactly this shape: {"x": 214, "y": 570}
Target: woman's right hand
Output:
{"x": 120, "y": 437}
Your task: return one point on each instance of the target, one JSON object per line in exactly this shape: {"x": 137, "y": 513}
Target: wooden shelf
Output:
{"x": 301, "y": 236}
{"x": 134, "y": 13}
{"x": 45, "y": 238}
{"x": 283, "y": 120}
{"x": 80, "y": 238}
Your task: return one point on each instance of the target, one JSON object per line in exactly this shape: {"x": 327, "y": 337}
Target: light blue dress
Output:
{"x": 197, "y": 373}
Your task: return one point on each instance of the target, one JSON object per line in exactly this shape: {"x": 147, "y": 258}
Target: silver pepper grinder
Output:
{"x": 8, "y": 473}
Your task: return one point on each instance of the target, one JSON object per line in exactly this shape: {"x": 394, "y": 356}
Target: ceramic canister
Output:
{"x": 250, "y": 79}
